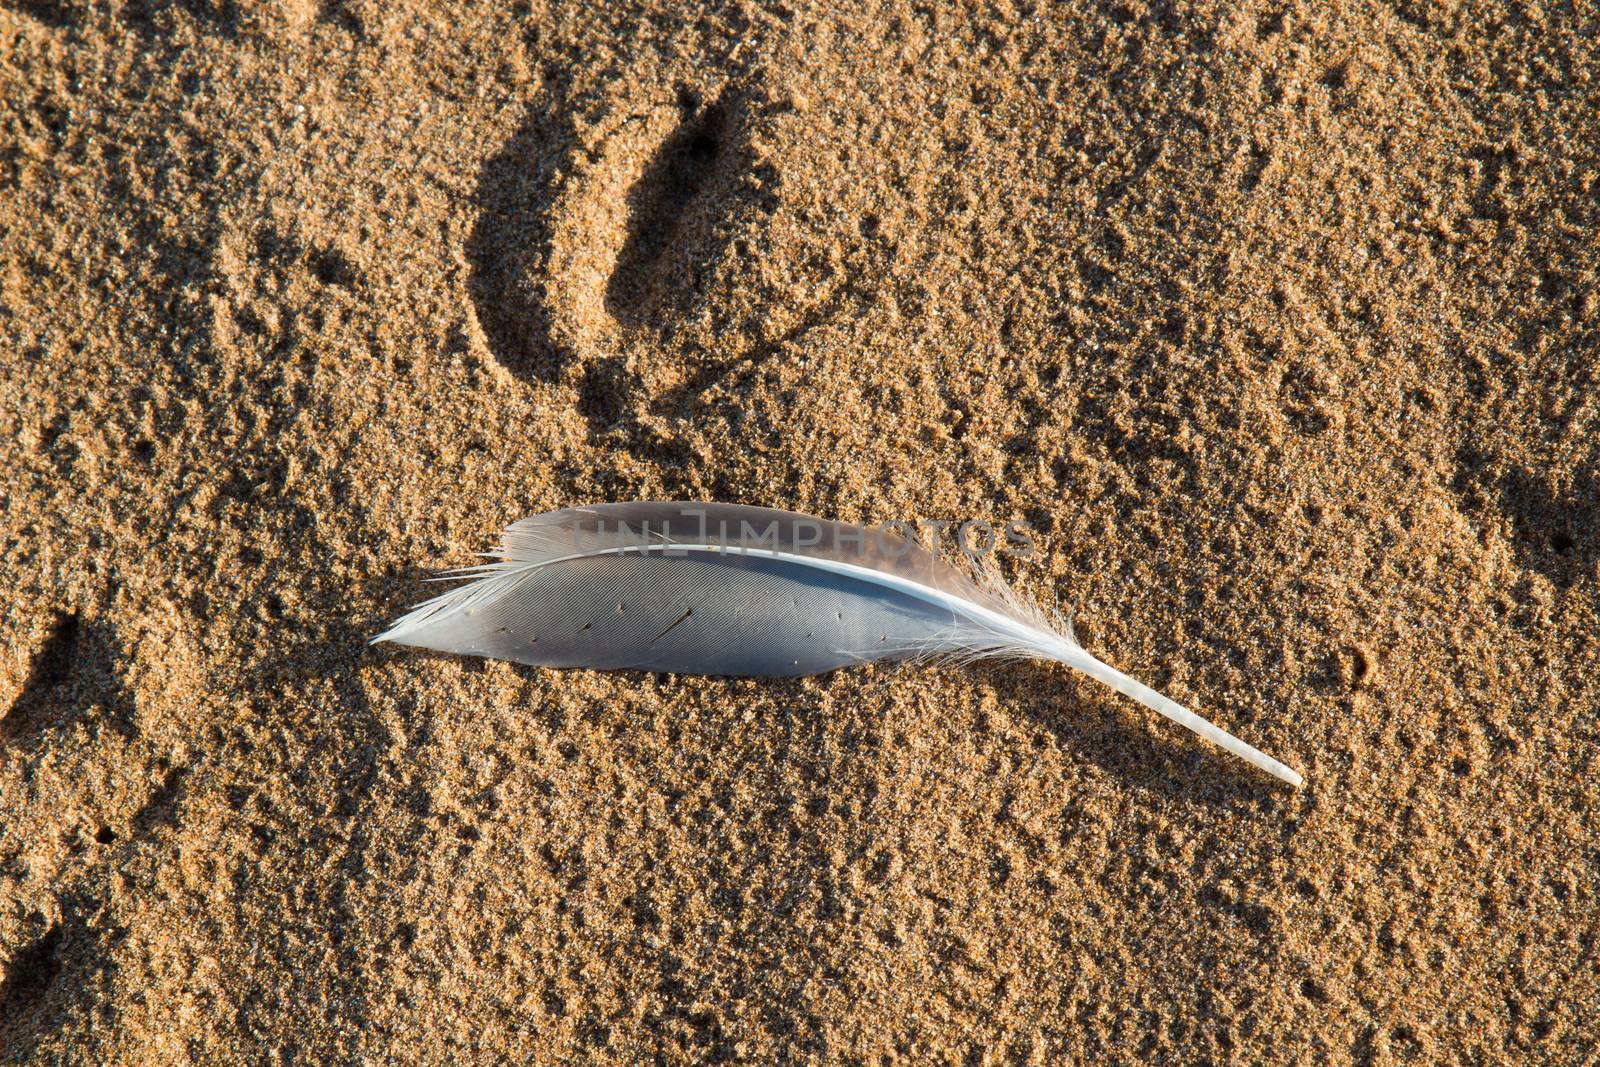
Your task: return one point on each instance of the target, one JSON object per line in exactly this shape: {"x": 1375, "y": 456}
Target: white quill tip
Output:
{"x": 1104, "y": 672}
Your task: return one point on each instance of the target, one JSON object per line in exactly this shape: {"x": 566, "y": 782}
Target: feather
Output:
{"x": 735, "y": 590}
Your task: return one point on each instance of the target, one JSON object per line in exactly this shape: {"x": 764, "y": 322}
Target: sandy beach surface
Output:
{"x": 1279, "y": 323}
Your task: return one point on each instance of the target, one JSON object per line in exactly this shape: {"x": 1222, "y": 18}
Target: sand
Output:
{"x": 1279, "y": 322}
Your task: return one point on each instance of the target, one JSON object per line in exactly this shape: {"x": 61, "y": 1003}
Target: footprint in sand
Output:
{"x": 84, "y": 713}
{"x": 599, "y": 237}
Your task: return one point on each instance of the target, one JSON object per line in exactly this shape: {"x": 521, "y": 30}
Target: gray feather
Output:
{"x": 734, "y": 590}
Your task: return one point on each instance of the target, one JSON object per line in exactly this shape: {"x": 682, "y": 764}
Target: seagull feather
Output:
{"x": 702, "y": 588}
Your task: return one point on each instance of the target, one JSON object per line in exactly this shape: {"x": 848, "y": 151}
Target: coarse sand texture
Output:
{"x": 1276, "y": 322}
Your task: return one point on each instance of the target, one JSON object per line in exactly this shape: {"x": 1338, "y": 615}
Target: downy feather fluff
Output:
{"x": 735, "y": 590}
